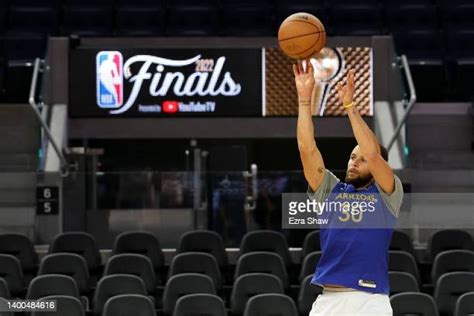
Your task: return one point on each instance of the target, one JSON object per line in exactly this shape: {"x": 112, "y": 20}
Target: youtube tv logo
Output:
{"x": 170, "y": 106}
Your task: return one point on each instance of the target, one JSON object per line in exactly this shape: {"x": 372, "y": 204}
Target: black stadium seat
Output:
{"x": 247, "y": 18}
{"x": 286, "y": 7}
{"x": 10, "y": 271}
{"x": 4, "y": 302}
{"x": 134, "y": 264}
{"x": 359, "y": 21}
{"x": 80, "y": 243}
{"x": 113, "y": 285}
{"x": 402, "y": 242}
{"x": 452, "y": 261}
{"x": 53, "y": 4}
{"x": 183, "y": 284}
{"x": 4, "y": 291}
{"x": 307, "y": 295}
{"x": 403, "y": 262}
{"x": 192, "y": 18}
{"x": 266, "y": 240}
{"x": 87, "y": 21}
{"x": 42, "y": 21}
{"x": 22, "y": 248}
{"x": 206, "y": 304}
{"x": 66, "y": 306}
{"x": 69, "y": 264}
{"x": 52, "y": 284}
{"x": 270, "y": 305}
{"x": 465, "y": 305}
{"x": 309, "y": 264}
{"x": 311, "y": 243}
{"x": 252, "y": 284}
{"x": 204, "y": 241}
{"x": 411, "y": 18}
{"x": 262, "y": 262}
{"x": 450, "y": 239}
{"x": 129, "y": 304}
{"x": 196, "y": 262}
{"x": 139, "y": 21}
{"x": 402, "y": 282}
{"x": 420, "y": 304}
{"x": 449, "y": 287}
{"x": 143, "y": 243}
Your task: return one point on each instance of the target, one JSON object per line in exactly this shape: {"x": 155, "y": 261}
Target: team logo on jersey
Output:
{"x": 109, "y": 71}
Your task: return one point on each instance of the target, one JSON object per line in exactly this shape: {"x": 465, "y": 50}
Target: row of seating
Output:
{"x": 206, "y": 19}
{"x": 208, "y": 241}
{"x": 453, "y": 288}
{"x": 199, "y": 262}
{"x": 258, "y": 305}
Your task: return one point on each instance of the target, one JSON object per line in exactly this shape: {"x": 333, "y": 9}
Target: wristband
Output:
{"x": 348, "y": 106}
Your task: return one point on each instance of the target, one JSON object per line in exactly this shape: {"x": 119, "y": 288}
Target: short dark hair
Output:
{"x": 384, "y": 152}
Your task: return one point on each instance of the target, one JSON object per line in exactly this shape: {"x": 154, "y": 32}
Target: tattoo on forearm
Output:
{"x": 320, "y": 170}
{"x": 305, "y": 103}
{"x": 353, "y": 110}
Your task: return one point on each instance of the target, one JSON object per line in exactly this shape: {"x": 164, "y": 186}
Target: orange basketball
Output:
{"x": 301, "y": 35}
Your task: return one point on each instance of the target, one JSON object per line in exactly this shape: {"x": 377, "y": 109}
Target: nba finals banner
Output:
{"x": 165, "y": 82}
{"x": 252, "y": 82}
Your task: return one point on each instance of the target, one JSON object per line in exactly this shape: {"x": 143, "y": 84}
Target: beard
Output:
{"x": 359, "y": 181}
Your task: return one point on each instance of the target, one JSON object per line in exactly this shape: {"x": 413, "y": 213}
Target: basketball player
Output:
{"x": 353, "y": 268}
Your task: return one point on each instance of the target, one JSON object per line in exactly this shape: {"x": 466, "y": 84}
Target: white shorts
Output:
{"x": 353, "y": 303}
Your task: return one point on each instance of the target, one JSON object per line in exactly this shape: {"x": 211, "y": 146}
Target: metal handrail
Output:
{"x": 34, "y": 106}
{"x": 409, "y": 104}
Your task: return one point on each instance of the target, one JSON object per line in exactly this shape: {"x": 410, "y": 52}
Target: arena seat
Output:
{"x": 309, "y": 264}
{"x": 66, "y": 306}
{"x": 4, "y": 291}
{"x": 266, "y": 240}
{"x": 262, "y": 262}
{"x": 10, "y": 271}
{"x": 401, "y": 282}
{"x": 307, "y": 295}
{"x": 270, "y": 305}
{"x": 196, "y": 262}
{"x": 252, "y": 284}
{"x": 420, "y": 304}
{"x": 183, "y": 284}
{"x": 22, "y": 248}
{"x": 80, "y": 243}
{"x": 52, "y": 284}
{"x": 403, "y": 262}
{"x": 69, "y": 264}
{"x": 139, "y": 21}
{"x": 402, "y": 242}
{"x": 208, "y": 304}
{"x": 449, "y": 239}
{"x": 452, "y": 261}
{"x": 133, "y": 264}
{"x": 113, "y": 285}
{"x": 465, "y": 305}
{"x": 449, "y": 287}
{"x": 143, "y": 243}
{"x": 204, "y": 241}
{"x": 129, "y": 304}
{"x": 311, "y": 243}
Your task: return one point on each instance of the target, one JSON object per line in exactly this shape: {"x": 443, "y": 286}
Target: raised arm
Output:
{"x": 366, "y": 139}
{"x": 313, "y": 164}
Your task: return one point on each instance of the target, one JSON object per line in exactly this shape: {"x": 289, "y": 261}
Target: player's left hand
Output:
{"x": 346, "y": 92}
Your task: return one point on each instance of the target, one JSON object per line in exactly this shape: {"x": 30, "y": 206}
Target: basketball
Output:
{"x": 301, "y": 35}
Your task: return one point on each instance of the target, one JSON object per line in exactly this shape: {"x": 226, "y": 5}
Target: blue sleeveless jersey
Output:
{"x": 355, "y": 248}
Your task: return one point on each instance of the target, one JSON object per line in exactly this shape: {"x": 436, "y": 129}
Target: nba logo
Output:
{"x": 109, "y": 72}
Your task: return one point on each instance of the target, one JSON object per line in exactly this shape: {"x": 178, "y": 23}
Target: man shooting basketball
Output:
{"x": 353, "y": 268}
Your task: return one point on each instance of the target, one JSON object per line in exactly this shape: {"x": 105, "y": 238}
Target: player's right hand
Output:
{"x": 304, "y": 79}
